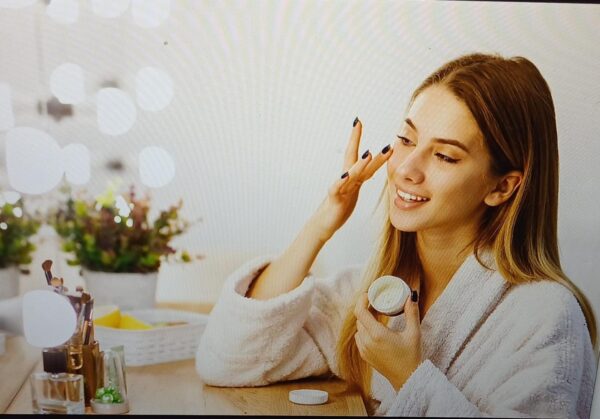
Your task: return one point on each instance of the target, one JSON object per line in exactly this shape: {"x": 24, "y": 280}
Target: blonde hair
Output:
{"x": 513, "y": 107}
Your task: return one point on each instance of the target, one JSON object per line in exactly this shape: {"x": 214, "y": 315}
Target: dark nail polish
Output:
{"x": 365, "y": 154}
{"x": 386, "y": 149}
{"x": 345, "y": 175}
{"x": 355, "y": 121}
{"x": 415, "y": 296}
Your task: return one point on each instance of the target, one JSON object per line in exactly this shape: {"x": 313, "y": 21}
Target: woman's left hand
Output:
{"x": 395, "y": 355}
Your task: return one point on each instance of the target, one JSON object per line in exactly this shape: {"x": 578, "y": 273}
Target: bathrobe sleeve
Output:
{"x": 540, "y": 365}
{"x": 249, "y": 342}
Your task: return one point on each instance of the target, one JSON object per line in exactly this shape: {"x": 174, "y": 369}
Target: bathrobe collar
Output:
{"x": 467, "y": 300}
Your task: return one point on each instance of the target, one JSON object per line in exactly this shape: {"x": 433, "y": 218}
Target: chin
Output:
{"x": 404, "y": 223}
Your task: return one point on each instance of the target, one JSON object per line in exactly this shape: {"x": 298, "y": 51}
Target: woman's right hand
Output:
{"x": 287, "y": 271}
{"x": 342, "y": 196}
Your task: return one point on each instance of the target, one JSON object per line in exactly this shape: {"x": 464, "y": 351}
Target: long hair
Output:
{"x": 513, "y": 107}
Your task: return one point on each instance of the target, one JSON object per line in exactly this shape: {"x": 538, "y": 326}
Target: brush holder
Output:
{"x": 92, "y": 370}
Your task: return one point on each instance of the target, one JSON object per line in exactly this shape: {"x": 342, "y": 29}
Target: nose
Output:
{"x": 411, "y": 168}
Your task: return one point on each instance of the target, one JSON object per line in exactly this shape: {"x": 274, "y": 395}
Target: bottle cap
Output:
{"x": 306, "y": 396}
{"x": 55, "y": 359}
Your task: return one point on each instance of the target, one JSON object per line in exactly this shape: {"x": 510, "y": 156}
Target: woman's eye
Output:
{"x": 445, "y": 158}
{"x": 442, "y": 157}
{"x": 404, "y": 140}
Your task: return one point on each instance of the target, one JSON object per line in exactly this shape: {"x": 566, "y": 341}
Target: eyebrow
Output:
{"x": 440, "y": 140}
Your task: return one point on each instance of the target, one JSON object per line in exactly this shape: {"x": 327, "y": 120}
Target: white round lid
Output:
{"x": 306, "y": 396}
{"x": 388, "y": 294}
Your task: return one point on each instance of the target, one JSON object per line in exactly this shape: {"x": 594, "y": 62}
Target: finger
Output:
{"x": 372, "y": 327}
{"x": 355, "y": 174}
{"x": 411, "y": 310}
{"x": 351, "y": 154}
{"x": 352, "y": 178}
{"x": 362, "y": 302}
{"x": 363, "y": 333}
{"x": 337, "y": 185}
{"x": 377, "y": 162}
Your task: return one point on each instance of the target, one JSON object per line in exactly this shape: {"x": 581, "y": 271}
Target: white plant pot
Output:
{"x": 9, "y": 282}
{"x": 128, "y": 291}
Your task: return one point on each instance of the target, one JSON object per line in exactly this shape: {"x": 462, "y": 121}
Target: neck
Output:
{"x": 441, "y": 254}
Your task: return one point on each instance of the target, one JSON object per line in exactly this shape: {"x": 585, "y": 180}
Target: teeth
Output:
{"x": 410, "y": 197}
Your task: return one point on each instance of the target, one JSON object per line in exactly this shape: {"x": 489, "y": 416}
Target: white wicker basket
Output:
{"x": 155, "y": 346}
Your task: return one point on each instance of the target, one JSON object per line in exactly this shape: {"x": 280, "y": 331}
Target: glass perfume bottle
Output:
{"x": 60, "y": 393}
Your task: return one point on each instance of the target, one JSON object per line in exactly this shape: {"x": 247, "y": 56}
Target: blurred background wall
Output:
{"x": 251, "y": 103}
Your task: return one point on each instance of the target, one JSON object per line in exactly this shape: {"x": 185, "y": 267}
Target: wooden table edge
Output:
{"x": 204, "y": 308}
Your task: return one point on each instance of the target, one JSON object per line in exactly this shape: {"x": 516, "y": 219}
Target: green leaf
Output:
{"x": 106, "y": 258}
{"x": 15, "y": 234}
{"x": 97, "y": 242}
{"x": 80, "y": 208}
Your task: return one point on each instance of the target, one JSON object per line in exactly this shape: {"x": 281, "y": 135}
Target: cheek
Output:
{"x": 478, "y": 184}
{"x": 466, "y": 192}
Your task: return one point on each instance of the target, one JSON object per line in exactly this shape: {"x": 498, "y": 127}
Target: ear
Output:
{"x": 505, "y": 187}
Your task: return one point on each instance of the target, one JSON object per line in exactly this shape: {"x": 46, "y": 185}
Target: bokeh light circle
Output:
{"x": 156, "y": 166}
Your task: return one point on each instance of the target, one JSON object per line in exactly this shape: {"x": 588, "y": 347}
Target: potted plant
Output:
{"x": 118, "y": 247}
{"x": 16, "y": 229}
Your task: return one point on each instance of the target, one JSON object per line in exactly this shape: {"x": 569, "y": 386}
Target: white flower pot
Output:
{"x": 128, "y": 291}
{"x": 9, "y": 282}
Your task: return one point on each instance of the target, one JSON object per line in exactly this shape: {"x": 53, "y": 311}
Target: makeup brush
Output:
{"x": 77, "y": 304}
{"x": 58, "y": 284}
{"x": 84, "y": 315}
{"x": 88, "y": 325}
{"x": 46, "y": 266}
{"x": 85, "y": 297}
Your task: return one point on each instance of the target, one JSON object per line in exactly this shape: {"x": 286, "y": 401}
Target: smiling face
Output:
{"x": 439, "y": 172}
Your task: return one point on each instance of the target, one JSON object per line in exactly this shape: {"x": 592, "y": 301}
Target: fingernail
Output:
{"x": 355, "y": 121}
{"x": 415, "y": 296}
{"x": 345, "y": 175}
{"x": 365, "y": 154}
{"x": 386, "y": 149}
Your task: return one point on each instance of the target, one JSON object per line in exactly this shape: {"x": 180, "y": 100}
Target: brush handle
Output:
{"x": 88, "y": 336}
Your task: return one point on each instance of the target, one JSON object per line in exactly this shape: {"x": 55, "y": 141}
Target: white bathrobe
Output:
{"x": 489, "y": 349}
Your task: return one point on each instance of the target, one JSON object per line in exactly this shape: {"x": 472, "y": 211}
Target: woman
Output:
{"x": 493, "y": 326}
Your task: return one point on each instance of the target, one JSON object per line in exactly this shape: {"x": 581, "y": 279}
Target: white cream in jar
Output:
{"x": 388, "y": 294}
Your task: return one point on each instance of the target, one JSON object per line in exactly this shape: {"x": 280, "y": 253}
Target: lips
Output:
{"x": 411, "y": 197}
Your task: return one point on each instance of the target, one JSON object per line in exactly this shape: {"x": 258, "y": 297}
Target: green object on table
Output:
{"x": 108, "y": 395}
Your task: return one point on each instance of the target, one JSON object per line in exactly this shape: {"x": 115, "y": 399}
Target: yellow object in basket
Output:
{"x": 107, "y": 316}
{"x": 131, "y": 323}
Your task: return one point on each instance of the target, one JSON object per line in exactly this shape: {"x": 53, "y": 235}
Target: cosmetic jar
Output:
{"x": 388, "y": 294}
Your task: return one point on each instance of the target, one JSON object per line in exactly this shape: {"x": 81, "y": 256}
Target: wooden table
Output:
{"x": 176, "y": 388}
{"x": 16, "y": 364}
